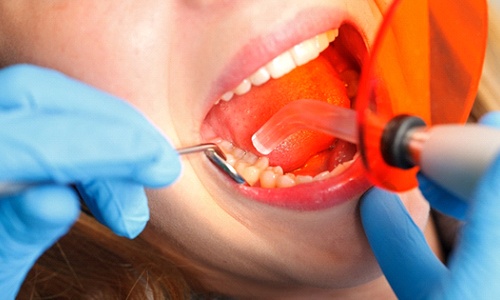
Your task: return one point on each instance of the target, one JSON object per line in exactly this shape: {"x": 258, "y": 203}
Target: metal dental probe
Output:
{"x": 211, "y": 150}
{"x": 216, "y": 156}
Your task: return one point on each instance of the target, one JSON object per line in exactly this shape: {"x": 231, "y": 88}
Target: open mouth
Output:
{"x": 309, "y": 169}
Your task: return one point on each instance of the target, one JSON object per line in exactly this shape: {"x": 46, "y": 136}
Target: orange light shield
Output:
{"x": 426, "y": 61}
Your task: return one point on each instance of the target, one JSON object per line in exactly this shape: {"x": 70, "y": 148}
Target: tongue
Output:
{"x": 238, "y": 119}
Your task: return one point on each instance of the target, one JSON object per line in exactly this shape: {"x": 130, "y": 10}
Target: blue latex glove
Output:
{"x": 55, "y": 131}
{"x": 411, "y": 268}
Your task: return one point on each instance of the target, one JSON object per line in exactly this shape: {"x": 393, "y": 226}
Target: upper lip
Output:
{"x": 254, "y": 54}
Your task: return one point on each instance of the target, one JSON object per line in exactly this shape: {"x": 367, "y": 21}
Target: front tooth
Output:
{"x": 243, "y": 88}
{"x": 260, "y": 77}
{"x": 304, "y": 52}
{"x": 281, "y": 65}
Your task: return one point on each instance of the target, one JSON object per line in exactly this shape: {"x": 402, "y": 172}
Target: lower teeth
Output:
{"x": 257, "y": 172}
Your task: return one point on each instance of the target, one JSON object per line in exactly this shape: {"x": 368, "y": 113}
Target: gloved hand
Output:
{"x": 405, "y": 258}
{"x": 56, "y": 132}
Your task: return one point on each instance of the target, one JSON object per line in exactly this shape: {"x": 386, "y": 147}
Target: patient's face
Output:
{"x": 292, "y": 231}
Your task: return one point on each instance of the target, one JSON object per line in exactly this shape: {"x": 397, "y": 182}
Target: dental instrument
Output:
{"x": 211, "y": 150}
{"x": 217, "y": 157}
{"x": 422, "y": 73}
{"x": 454, "y": 156}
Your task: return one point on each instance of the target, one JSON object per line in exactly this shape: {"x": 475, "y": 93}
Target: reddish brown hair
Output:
{"x": 90, "y": 262}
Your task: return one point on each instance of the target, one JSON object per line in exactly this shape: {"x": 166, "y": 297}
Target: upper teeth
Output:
{"x": 298, "y": 55}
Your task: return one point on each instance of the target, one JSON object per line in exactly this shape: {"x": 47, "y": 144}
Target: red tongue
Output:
{"x": 238, "y": 119}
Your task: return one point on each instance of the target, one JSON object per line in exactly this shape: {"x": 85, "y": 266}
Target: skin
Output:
{"x": 170, "y": 59}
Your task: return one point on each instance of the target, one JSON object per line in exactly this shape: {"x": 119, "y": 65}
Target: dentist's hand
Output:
{"x": 56, "y": 132}
{"x": 408, "y": 263}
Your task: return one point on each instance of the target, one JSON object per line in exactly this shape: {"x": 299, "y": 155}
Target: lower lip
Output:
{"x": 349, "y": 185}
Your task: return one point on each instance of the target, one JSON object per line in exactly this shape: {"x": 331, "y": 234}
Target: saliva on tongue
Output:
{"x": 304, "y": 152}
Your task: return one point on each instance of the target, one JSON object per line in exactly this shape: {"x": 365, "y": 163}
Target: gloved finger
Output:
{"x": 440, "y": 199}
{"x": 400, "y": 247}
{"x": 491, "y": 119}
{"x": 61, "y": 130}
{"x": 476, "y": 260}
{"x": 29, "y": 224}
{"x": 120, "y": 205}
{"x": 72, "y": 148}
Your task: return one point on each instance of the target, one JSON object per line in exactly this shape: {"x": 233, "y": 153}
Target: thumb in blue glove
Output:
{"x": 409, "y": 264}
{"x": 56, "y": 129}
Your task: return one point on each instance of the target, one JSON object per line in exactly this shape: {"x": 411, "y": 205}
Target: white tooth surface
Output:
{"x": 321, "y": 176}
{"x": 268, "y": 179}
{"x": 227, "y": 96}
{"x": 262, "y": 163}
{"x": 243, "y": 87}
{"x": 230, "y": 159}
{"x": 260, "y": 77}
{"x": 322, "y": 42}
{"x": 281, "y": 65}
{"x": 278, "y": 170}
{"x": 251, "y": 175}
{"x": 332, "y": 34}
{"x": 298, "y": 55}
{"x": 337, "y": 170}
{"x": 240, "y": 166}
{"x": 304, "y": 52}
{"x": 285, "y": 181}
{"x": 303, "y": 179}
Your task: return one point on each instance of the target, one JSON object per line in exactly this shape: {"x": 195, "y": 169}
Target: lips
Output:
{"x": 311, "y": 170}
